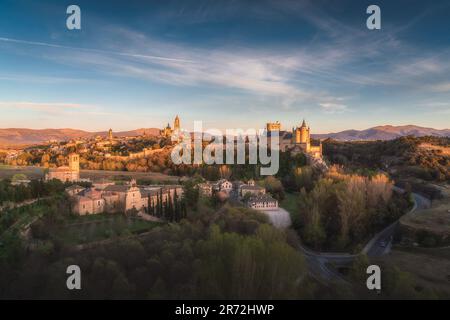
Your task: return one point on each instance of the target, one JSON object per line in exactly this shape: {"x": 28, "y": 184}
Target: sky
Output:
{"x": 230, "y": 64}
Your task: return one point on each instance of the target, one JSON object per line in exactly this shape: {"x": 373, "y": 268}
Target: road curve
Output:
{"x": 380, "y": 244}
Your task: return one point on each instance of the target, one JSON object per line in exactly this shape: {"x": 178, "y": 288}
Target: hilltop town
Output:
{"x": 62, "y": 162}
{"x": 110, "y": 152}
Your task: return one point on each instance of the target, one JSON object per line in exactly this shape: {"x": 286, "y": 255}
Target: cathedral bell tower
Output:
{"x": 176, "y": 123}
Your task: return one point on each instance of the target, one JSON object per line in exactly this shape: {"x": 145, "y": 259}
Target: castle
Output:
{"x": 299, "y": 140}
{"x": 69, "y": 173}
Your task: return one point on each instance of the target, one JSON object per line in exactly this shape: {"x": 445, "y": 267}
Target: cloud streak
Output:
{"x": 47, "y": 107}
{"x": 118, "y": 53}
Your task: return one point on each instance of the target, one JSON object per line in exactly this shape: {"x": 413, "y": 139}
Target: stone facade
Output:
{"x": 296, "y": 141}
{"x": 205, "y": 189}
{"x": 273, "y": 126}
{"x": 122, "y": 198}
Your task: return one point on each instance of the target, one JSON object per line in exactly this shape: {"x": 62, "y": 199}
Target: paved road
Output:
{"x": 380, "y": 244}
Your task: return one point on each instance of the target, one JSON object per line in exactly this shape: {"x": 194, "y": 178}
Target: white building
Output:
{"x": 262, "y": 202}
{"x": 223, "y": 185}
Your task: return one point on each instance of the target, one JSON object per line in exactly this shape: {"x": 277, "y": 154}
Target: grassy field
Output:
{"x": 430, "y": 267}
{"x": 123, "y": 175}
{"x": 18, "y": 218}
{"x": 7, "y": 172}
{"x": 434, "y": 221}
{"x": 92, "y": 228}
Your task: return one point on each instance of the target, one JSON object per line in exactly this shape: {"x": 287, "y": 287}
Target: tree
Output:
{"x": 190, "y": 194}
{"x": 352, "y": 206}
{"x": 275, "y": 187}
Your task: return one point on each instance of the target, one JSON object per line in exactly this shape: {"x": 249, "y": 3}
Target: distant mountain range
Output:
{"x": 15, "y": 136}
{"x": 387, "y": 132}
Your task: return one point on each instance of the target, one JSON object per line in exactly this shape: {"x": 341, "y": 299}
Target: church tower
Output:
{"x": 74, "y": 162}
{"x": 176, "y": 123}
{"x": 110, "y": 135}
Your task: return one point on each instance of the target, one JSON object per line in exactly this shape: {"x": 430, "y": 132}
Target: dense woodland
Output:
{"x": 36, "y": 189}
{"x": 206, "y": 256}
{"x": 402, "y": 157}
{"x": 341, "y": 211}
{"x": 230, "y": 254}
{"x": 211, "y": 250}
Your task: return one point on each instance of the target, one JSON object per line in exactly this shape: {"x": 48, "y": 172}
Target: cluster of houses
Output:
{"x": 252, "y": 195}
{"x": 107, "y": 197}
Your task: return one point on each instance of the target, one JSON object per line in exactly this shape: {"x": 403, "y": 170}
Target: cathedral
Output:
{"x": 168, "y": 131}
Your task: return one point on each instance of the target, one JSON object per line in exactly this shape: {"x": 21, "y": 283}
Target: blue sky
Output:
{"x": 231, "y": 64}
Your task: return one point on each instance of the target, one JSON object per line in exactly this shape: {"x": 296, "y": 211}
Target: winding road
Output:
{"x": 380, "y": 244}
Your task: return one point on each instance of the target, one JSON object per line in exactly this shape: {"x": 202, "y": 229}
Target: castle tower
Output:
{"x": 297, "y": 135}
{"x": 176, "y": 123}
{"x": 74, "y": 162}
{"x": 273, "y": 126}
{"x": 110, "y": 135}
{"x": 304, "y": 133}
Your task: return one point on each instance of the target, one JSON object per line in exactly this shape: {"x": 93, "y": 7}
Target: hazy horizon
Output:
{"x": 205, "y": 128}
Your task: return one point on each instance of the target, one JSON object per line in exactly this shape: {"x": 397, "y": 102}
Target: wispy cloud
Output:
{"x": 440, "y": 87}
{"x": 109, "y": 52}
{"x": 333, "y": 107}
{"x": 337, "y": 58}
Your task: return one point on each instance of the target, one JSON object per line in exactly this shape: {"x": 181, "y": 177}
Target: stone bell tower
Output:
{"x": 74, "y": 162}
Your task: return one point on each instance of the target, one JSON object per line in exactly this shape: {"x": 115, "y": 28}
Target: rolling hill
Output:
{"x": 21, "y": 136}
{"x": 386, "y": 132}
